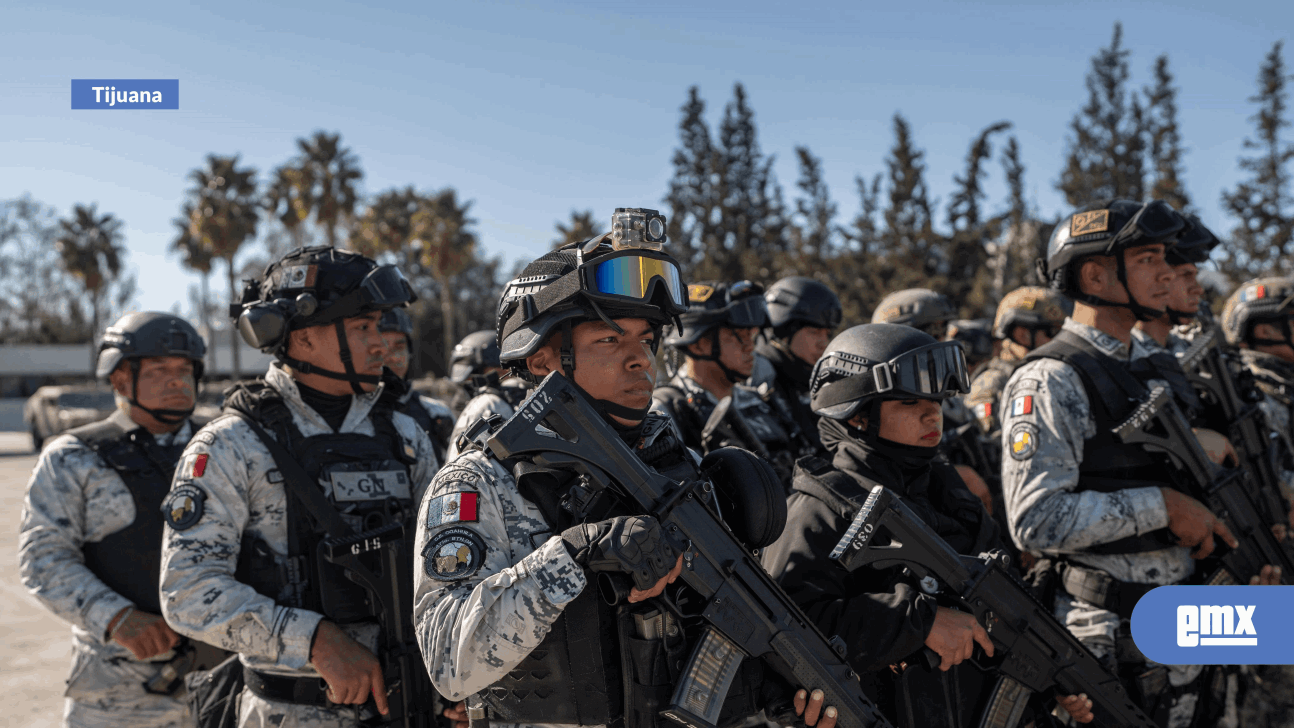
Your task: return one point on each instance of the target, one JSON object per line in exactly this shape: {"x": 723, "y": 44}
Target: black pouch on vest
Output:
{"x": 653, "y": 656}
{"x": 213, "y": 695}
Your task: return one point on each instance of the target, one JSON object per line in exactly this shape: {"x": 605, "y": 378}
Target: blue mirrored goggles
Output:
{"x": 636, "y": 275}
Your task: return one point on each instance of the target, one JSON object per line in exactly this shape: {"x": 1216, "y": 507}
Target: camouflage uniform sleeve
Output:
{"x": 984, "y": 398}
{"x": 1278, "y": 423}
{"x": 53, "y": 530}
{"x": 482, "y": 599}
{"x": 201, "y": 598}
{"x": 1045, "y": 419}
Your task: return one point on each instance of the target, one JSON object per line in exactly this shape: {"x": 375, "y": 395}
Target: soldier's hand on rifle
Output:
{"x": 145, "y": 635}
{"x": 1217, "y": 447}
{"x": 637, "y": 595}
{"x": 1193, "y": 524}
{"x": 457, "y": 714}
{"x": 633, "y": 545}
{"x": 953, "y": 637}
{"x": 1269, "y": 576}
{"x": 810, "y": 708}
{"x": 350, "y": 669}
{"x": 1078, "y": 706}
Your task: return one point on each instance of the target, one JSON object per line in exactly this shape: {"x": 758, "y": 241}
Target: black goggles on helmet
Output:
{"x": 634, "y": 275}
{"x": 746, "y": 307}
{"x": 383, "y": 288}
{"x": 934, "y": 371}
{"x": 1153, "y": 223}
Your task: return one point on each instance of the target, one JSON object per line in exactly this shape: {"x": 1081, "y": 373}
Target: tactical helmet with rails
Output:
{"x": 1260, "y": 301}
{"x": 920, "y": 308}
{"x": 1107, "y": 228}
{"x": 136, "y": 336}
{"x": 716, "y": 305}
{"x": 875, "y": 362}
{"x": 476, "y": 354}
{"x": 316, "y": 286}
{"x": 796, "y": 302}
{"x": 1034, "y": 309}
{"x": 620, "y": 274}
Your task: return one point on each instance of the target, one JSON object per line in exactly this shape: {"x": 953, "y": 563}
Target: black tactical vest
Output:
{"x": 366, "y": 478}
{"x": 129, "y": 561}
{"x": 599, "y": 664}
{"x": 438, "y": 429}
{"x": 1108, "y": 464}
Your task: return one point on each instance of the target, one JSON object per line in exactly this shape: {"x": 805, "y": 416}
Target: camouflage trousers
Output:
{"x": 1101, "y": 632}
{"x": 257, "y": 712}
{"x": 108, "y": 692}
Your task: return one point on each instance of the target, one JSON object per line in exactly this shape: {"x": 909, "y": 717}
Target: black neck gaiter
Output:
{"x": 332, "y": 407}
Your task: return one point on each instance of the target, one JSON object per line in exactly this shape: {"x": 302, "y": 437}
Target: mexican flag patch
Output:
{"x": 452, "y": 508}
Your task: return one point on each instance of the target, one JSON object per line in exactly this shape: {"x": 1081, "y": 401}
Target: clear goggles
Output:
{"x": 1155, "y": 221}
{"x": 934, "y": 371}
{"x": 634, "y": 275}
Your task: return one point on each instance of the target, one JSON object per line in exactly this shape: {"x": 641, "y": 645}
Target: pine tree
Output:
{"x": 1106, "y": 149}
{"x": 1021, "y": 242}
{"x": 692, "y": 198}
{"x": 813, "y": 234}
{"x": 752, "y": 214}
{"x": 860, "y": 267}
{"x": 1165, "y": 139}
{"x": 909, "y": 238}
{"x": 1263, "y": 242}
{"x": 581, "y": 227}
{"x": 968, "y": 280}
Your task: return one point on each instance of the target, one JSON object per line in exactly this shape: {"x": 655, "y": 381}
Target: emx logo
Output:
{"x": 1224, "y": 625}
{"x": 1215, "y": 625}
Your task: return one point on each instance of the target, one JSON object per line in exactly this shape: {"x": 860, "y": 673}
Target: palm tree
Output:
{"x": 446, "y": 246}
{"x": 223, "y": 210}
{"x": 286, "y": 200}
{"x": 198, "y": 258}
{"x": 326, "y": 181}
{"x": 91, "y": 250}
{"x": 386, "y": 225}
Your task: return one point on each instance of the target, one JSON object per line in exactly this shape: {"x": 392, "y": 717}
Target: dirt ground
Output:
{"x": 36, "y": 645}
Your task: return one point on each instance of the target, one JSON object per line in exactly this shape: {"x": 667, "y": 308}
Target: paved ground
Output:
{"x": 36, "y": 645}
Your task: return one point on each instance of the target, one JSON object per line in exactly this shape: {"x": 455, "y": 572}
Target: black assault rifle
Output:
{"x": 1159, "y": 426}
{"x": 747, "y": 614}
{"x": 1031, "y": 650}
{"x": 1209, "y": 369}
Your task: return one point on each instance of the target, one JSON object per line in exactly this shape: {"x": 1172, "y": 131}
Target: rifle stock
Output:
{"x": 1030, "y": 646}
{"x": 741, "y": 603}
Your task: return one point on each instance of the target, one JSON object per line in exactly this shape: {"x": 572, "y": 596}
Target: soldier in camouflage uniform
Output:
{"x": 431, "y": 414}
{"x": 91, "y": 527}
{"x": 1104, "y": 510}
{"x": 1192, "y": 249}
{"x": 714, "y": 353}
{"x": 474, "y": 365}
{"x": 506, "y": 611}
{"x": 240, "y": 564}
{"x": 1259, "y": 318}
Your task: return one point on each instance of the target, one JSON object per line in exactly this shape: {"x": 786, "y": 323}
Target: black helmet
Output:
{"x": 975, "y": 336}
{"x": 1107, "y": 228}
{"x": 920, "y": 308}
{"x": 150, "y": 333}
{"x": 311, "y": 287}
{"x": 477, "y": 352}
{"x": 796, "y": 302}
{"x": 396, "y": 321}
{"x": 884, "y": 361}
{"x": 1262, "y": 300}
{"x": 715, "y": 304}
{"x": 581, "y": 281}
{"x": 1194, "y": 244}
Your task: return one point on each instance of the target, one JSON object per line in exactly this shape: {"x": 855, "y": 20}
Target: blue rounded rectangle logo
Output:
{"x": 125, "y": 93}
{"x": 1215, "y": 625}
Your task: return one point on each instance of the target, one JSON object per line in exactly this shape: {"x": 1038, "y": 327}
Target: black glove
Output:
{"x": 633, "y": 545}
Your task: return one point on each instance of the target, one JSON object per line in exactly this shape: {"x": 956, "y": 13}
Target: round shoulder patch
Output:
{"x": 454, "y": 553}
{"x": 184, "y": 506}
{"x": 1024, "y": 440}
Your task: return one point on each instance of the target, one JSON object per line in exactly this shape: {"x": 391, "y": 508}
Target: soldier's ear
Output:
{"x": 120, "y": 380}
{"x": 543, "y": 362}
{"x": 1094, "y": 274}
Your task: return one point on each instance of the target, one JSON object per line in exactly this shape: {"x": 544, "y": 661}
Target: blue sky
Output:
{"x": 534, "y": 109}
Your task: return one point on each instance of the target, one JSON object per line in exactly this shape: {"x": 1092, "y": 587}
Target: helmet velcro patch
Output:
{"x": 1087, "y": 223}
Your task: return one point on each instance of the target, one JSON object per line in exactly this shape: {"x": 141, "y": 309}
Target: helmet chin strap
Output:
{"x": 716, "y": 356}
{"x": 350, "y": 374}
{"x": 1142, "y": 312}
{"x": 1181, "y": 317}
{"x": 161, "y": 414}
